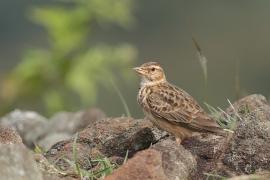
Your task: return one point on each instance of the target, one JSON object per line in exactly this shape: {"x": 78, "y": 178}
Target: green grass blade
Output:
{"x": 74, "y": 154}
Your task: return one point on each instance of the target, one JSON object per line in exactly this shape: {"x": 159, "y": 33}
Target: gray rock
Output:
{"x": 64, "y": 125}
{"x": 63, "y": 122}
{"x": 249, "y": 147}
{"x": 35, "y": 129}
{"x": 51, "y": 139}
{"x": 9, "y": 136}
{"x": 28, "y": 124}
{"x": 49, "y": 171}
{"x": 252, "y": 103}
{"x": 206, "y": 148}
{"x": 243, "y": 152}
{"x": 177, "y": 162}
{"x": 16, "y": 162}
{"x": 69, "y": 122}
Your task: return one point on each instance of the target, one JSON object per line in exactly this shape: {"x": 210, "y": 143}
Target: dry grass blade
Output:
{"x": 128, "y": 114}
{"x": 126, "y": 158}
{"x": 203, "y": 63}
{"x": 215, "y": 176}
{"x": 234, "y": 110}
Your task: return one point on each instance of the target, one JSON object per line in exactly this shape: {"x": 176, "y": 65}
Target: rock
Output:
{"x": 16, "y": 162}
{"x": 249, "y": 148}
{"x": 62, "y": 155}
{"x": 252, "y": 103}
{"x": 28, "y": 124}
{"x": 63, "y": 122}
{"x": 64, "y": 125}
{"x": 9, "y": 136}
{"x": 177, "y": 162}
{"x": 243, "y": 152}
{"x": 49, "y": 172}
{"x": 90, "y": 116}
{"x": 51, "y": 139}
{"x": 35, "y": 129}
{"x": 116, "y": 136}
{"x": 108, "y": 137}
{"x": 132, "y": 140}
{"x": 69, "y": 122}
{"x": 207, "y": 148}
{"x": 164, "y": 161}
{"x": 145, "y": 165}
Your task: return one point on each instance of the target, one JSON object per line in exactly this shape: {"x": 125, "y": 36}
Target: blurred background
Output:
{"x": 73, "y": 54}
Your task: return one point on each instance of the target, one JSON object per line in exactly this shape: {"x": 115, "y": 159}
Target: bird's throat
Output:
{"x": 146, "y": 82}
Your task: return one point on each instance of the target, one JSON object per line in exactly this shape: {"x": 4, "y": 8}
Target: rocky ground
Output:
{"x": 88, "y": 145}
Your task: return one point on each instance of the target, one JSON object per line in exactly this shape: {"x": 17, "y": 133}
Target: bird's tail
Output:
{"x": 206, "y": 123}
{"x": 218, "y": 131}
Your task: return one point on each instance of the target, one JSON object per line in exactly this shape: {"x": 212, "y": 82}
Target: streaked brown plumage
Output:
{"x": 171, "y": 108}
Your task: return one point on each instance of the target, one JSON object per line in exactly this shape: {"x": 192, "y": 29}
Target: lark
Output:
{"x": 171, "y": 108}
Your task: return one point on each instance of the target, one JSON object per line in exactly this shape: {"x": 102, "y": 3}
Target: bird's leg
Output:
{"x": 178, "y": 140}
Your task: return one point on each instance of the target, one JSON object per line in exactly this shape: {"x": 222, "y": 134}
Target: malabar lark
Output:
{"x": 171, "y": 108}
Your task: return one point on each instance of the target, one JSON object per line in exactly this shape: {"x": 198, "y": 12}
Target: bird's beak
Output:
{"x": 139, "y": 70}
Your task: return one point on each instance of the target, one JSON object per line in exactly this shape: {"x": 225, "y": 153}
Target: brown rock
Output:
{"x": 131, "y": 140}
{"x": 116, "y": 136}
{"x": 9, "y": 136}
{"x": 145, "y": 165}
{"x": 165, "y": 160}
{"x": 245, "y": 152}
{"x": 108, "y": 137}
{"x": 61, "y": 155}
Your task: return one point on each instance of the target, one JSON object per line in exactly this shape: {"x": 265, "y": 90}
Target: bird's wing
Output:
{"x": 176, "y": 105}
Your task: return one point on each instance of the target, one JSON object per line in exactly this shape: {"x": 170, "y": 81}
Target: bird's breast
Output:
{"x": 142, "y": 97}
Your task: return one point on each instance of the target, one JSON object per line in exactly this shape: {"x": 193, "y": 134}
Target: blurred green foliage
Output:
{"x": 67, "y": 74}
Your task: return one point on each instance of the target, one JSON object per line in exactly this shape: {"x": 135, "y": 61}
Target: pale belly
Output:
{"x": 177, "y": 131}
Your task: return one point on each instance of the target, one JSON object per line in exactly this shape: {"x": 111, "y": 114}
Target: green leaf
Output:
{"x": 67, "y": 28}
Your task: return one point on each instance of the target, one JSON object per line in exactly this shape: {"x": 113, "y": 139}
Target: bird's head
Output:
{"x": 151, "y": 73}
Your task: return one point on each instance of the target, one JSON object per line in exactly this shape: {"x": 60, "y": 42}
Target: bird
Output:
{"x": 169, "y": 107}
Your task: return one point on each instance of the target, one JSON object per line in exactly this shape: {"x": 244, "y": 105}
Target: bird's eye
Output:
{"x": 153, "y": 69}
